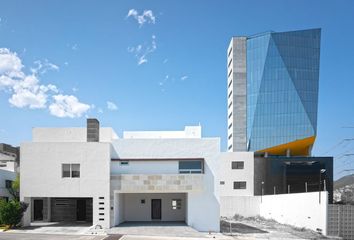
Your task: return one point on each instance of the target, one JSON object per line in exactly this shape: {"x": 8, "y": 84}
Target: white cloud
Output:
{"x": 184, "y": 77}
{"x": 112, "y": 106}
{"x": 74, "y": 47}
{"x": 67, "y": 106}
{"x": 43, "y": 67}
{"x": 27, "y": 91}
{"x": 146, "y": 17}
{"x": 10, "y": 64}
{"x": 141, "y": 52}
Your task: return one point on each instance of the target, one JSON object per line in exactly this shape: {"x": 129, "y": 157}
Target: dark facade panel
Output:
{"x": 93, "y": 130}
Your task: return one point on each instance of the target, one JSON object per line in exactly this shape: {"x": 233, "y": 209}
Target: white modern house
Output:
{"x": 89, "y": 174}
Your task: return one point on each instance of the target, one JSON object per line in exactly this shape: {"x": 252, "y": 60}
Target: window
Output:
{"x": 237, "y": 165}
{"x": 66, "y": 170}
{"x": 230, "y": 136}
{"x": 230, "y": 125}
{"x": 8, "y": 183}
{"x": 190, "y": 166}
{"x": 70, "y": 170}
{"x": 230, "y": 104}
{"x": 230, "y": 94}
{"x": 176, "y": 204}
{"x": 239, "y": 185}
{"x": 75, "y": 170}
{"x": 124, "y": 163}
{"x": 230, "y": 147}
{"x": 142, "y": 201}
{"x": 222, "y": 182}
{"x": 228, "y": 86}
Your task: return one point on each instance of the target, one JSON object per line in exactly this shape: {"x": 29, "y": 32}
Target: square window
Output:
{"x": 65, "y": 170}
{"x": 142, "y": 201}
{"x": 239, "y": 185}
{"x": 176, "y": 204}
{"x": 237, "y": 165}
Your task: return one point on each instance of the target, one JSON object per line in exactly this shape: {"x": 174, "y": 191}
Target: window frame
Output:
{"x": 176, "y": 204}
{"x": 71, "y": 170}
{"x": 237, "y": 165}
{"x": 191, "y": 170}
{"x": 240, "y": 185}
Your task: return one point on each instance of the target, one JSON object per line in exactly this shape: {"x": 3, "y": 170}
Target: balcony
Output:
{"x": 156, "y": 183}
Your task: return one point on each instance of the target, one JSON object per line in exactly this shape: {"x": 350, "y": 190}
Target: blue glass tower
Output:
{"x": 275, "y": 104}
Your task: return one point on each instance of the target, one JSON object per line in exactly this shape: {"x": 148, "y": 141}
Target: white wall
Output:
{"x": 203, "y": 207}
{"x": 6, "y": 175}
{"x": 246, "y": 206}
{"x": 145, "y": 167}
{"x": 41, "y": 173}
{"x": 229, "y": 175}
{"x": 69, "y": 134}
{"x": 189, "y": 132}
{"x": 135, "y": 211}
{"x": 297, "y": 209}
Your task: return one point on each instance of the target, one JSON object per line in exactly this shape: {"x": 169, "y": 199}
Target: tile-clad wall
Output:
{"x": 131, "y": 183}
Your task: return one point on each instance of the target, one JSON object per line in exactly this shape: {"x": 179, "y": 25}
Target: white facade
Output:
{"x": 7, "y": 173}
{"x": 189, "y": 132}
{"x": 236, "y": 167}
{"x": 117, "y": 174}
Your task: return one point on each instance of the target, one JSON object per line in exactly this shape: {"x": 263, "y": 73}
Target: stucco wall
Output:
{"x": 41, "y": 173}
{"x": 69, "y": 134}
{"x": 134, "y": 210}
{"x": 229, "y": 175}
{"x": 298, "y": 209}
{"x": 203, "y": 207}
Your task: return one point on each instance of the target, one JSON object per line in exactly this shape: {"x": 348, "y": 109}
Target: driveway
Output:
{"x": 167, "y": 229}
{"x": 34, "y": 236}
{"x": 75, "y": 228}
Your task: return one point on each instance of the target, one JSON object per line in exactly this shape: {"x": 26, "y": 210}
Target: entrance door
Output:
{"x": 156, "y": 209}
{"x": 38, "y": 210}
{"x": 81, "y": 210}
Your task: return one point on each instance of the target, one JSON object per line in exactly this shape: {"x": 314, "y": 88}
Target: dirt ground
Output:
{"x": 260, "y": 228}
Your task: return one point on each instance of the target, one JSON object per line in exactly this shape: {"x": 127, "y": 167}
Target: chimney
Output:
{"x": 93, "y": 130}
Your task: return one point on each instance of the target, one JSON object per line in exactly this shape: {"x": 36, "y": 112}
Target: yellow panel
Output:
{"x": 297, "y": 148}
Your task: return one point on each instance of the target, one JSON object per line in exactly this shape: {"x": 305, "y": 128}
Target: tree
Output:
{"x": 11, "y": 212}
{"x": 14, "y": 190}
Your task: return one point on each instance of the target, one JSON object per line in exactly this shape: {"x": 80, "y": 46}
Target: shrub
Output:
{"x": 11, "y": 212}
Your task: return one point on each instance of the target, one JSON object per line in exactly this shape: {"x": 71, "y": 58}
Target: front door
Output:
{"x": 156, "y": 209}
{"x": 38, "y": 210}
{"x": 81, "y": 209}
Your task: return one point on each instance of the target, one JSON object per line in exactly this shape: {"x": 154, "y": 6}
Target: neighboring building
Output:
{"x": 273, "y": 92}
{"x": 79, "y": 174}
{"x": 9, "y": 159}
{"x": 281, "y": 174}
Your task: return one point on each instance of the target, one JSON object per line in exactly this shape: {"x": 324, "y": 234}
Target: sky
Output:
{"x": 158, "y": 65}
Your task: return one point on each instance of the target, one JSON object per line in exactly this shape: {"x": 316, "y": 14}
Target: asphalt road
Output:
{"x": 33, "y": 236}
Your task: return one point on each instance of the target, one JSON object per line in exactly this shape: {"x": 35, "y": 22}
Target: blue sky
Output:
{"x": 161, "y": 67}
